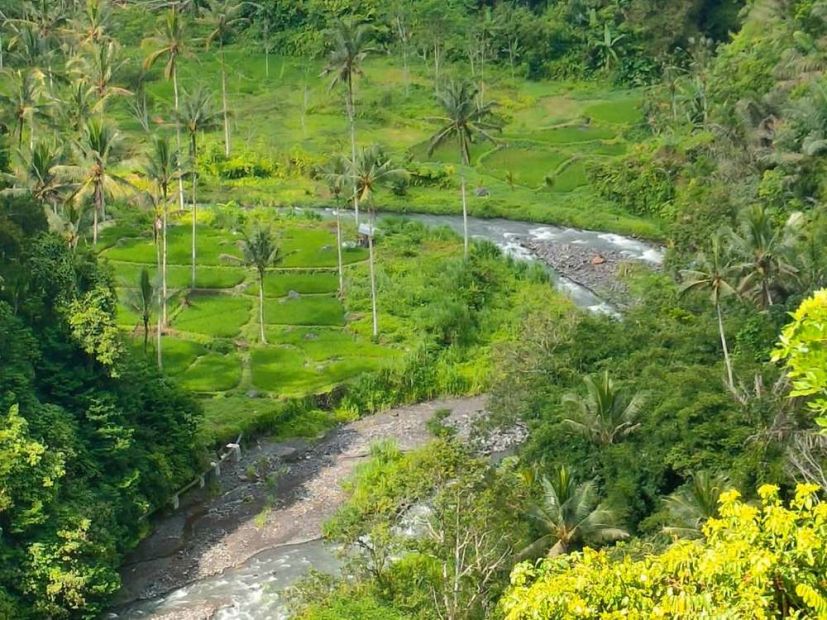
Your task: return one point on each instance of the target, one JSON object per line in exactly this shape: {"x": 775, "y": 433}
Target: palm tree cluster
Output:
{"x": 759, "y": 261}
{"x": 63, "y": 71}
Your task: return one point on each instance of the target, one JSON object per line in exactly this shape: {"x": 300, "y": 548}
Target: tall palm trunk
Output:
{"x": 177, "y": 142}
{"x": 164, "y": 261}
{"x": 98, "y": 200}
{"x": 405, "y": 70}
{"x": 339, "y": 252}
{"x": 194, "y": 151}
{"x": 436, "y": 66}
{"x": 159, "y": 323}
{"x": 159, "y": 353}
{"x": 727, "y": 361}
{"x": 261, "y": 307}
{"x": 146, "y": 331}
{"x": 266, "y": 50}
{"x": 373, "y": 277}
{"x": 351, "y": 112}
{"x": 464, "y": 218}
{"x": 224, "y": 102}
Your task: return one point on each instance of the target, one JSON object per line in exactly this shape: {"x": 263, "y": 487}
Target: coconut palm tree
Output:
{"x": 372, "y": 170}
{"x": 604, "y": 414}
{"x": 694, "y": 504}
{"x": 76, "y": 106}
{"x": 93, "y": 22}
{"x": 141, "y": 300}
{"x": 67, "y": 222}
{"x": 197, "y": 115}
{"x": 464, "y": 121}
{"x": 338, "y": 177}
{"x": 162, "y": 168}
{"x": 38, "y": 174}
{"x": 763, "y": 250}
{"x": 261, "y": 252}
{"x": 169, "y": 43}
{"x": 344, "y": 63}
{"x": 712, "y": 274}
{"x": 569, "y": 514}
{"x": 223, "y": 18}
{"x": 98, "y": 66}
{"x": 24, "y": 103}
{"x": 98, "y": 152}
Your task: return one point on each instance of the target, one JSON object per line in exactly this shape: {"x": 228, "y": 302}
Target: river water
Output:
{"x": 252, "y": 590}
{"x": 507, "y": 234}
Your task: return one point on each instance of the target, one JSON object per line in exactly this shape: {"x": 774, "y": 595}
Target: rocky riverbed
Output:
{"x": 599, "y": 270}
{"x": 277, "y": 495}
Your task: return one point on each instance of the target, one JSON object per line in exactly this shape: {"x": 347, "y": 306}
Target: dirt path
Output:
{"x": 296, "y": 487}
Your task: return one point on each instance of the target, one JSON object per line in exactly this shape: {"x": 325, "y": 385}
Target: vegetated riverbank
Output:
{"x": 277, "y": 496}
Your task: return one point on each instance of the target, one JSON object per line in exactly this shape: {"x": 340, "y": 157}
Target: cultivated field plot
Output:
{"x": 288, "y": 122}
{"x": 212, "y": 344}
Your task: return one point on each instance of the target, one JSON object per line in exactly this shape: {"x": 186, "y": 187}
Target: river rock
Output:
{"x": 595, "y": 270}
{"x": 286, "y": 453}
{"x": 293, "y": 295}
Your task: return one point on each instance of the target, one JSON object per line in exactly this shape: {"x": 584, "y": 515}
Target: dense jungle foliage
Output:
{"x": 675, "y": 454}
{"x": 92, "y": 438}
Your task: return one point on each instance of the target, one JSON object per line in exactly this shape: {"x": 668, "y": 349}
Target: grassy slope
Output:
{"x": 212, "y": 347}
{"x": 291, "y": 117}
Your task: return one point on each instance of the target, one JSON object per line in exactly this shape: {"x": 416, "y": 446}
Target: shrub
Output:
{"x": 765, "y": 561}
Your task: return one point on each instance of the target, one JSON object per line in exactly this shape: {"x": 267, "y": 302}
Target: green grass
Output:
{"x": 574, "y": 134}
{"x": 286, "y": 370}
{"x": 225, "y": 416}
{"x": 178, "y": 355}
{"x": 283, "y": 370}
{"x": 315, "y": 247}
{"x": 304, "y": 311}
{"x": 214, "y": 372}
{"x": 622, "y": 111}
{"x": 220, "y": 316}
{"x": 529, "y": 165}
{"x": 211, "y": 245}
{"x": 448, "y": 152}
{"x": 179, "y": 276}
{"x": 325, "y": 344}
{"x": 571, "y": 177}
{"x": 280, "y": 283}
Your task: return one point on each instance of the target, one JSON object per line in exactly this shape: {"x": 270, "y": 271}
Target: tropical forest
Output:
{"x": 413, "y": 309}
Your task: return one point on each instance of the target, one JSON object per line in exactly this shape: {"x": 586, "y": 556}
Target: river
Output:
{"x": 506, "y": 234}
{"x": 251, "y": 589}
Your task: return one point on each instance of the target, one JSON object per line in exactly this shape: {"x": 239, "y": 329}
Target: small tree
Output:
{"x": 170, "y": 43}
{"x": 712, "y": 275}
{"x": 223, "y": 17}
{"x": 162, "y": 168}
{"x": 604, "y": 414}
{"x": 464, "y": 121}
{"x": 140, "y": 301}
{"x": 349, "y": 50}
{"x": 371, "y": 170}
{"x": 97, "y": 152}
{"x": 694, "y": 504}
{"x": 261, "y": 252}
{"x": 197, "y": 115}
{"x": 568, "y": 514}
{"x": 338, "y": 177}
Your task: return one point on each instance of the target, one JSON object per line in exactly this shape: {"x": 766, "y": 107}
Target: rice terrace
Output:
{"x": 413, "y": 309}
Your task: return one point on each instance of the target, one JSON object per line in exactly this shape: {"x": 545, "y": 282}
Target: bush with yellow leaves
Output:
{"x": 756, "y": 561}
